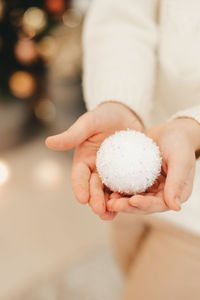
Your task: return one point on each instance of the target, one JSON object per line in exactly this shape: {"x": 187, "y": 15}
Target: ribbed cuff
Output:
{"x": 127, "y": 94}
{"x": 192, "y": 113}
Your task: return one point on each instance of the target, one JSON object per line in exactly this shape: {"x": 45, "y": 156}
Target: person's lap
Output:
{"x": 160, "y": 261}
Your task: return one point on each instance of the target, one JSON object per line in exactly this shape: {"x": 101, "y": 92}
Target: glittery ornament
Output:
{"x": 128, "y": 162}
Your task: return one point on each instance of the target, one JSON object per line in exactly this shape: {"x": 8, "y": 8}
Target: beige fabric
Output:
{"x": 160, "y": 261}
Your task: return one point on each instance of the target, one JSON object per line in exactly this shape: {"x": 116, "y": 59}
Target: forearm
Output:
{"x": 190, "y": 120}
{"x": 119, "y": 44}
{"x": 135, "y": 116}
{"x": 192, "y": 128}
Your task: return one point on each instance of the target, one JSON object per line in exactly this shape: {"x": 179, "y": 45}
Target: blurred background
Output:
{"x": 51, "y": 248}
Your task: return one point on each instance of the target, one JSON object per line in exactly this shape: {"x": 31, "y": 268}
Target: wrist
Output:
{"x": 192, "y": 128}
{"x": 133, "y": 116}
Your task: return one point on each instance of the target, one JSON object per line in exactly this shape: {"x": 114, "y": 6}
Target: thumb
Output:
{"x": 74, "y": 136}
{"x": 179, "y": 181}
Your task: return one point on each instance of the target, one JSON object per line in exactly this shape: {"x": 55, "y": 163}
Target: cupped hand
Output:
{"x": 87, "y": 134}
{"x": 178, "y": 140}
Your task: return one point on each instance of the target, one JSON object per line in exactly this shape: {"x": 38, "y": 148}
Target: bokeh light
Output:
{"x": 46, "y": 47}
{"x": 1, "y": 9}
{"x": 48, "y": 174}
{"x": 45, "y": 110}
{"x": 4, "y": 172}
{"x": 34, "y": 21}
{"x": 22, "y": 84}
{"x": 72, "y": 18}
{"x": 55, "y": 6}
{"x": 25, "y": 51}
{"x": 16, "y": 16}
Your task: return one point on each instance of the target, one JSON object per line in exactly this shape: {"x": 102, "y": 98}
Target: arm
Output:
{"x": 192, "y": 113}
{"x": 119, "y": 66}
{"x": 178, "y": 140}
{"x": 119, "y": 41}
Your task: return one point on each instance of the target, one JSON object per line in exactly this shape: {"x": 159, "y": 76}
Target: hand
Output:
{"x": 87, "y": 134}
{"x": 178, "y": 140}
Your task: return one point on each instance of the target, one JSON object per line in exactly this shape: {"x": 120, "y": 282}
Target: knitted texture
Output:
{"x": 145, "y": 54}
{"x": 108, "y": 39}
{"x": 193, "y": 113}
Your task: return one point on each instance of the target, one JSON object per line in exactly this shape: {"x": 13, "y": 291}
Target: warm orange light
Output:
{"x": 22, "y": 84}
{"x": 55, "y": 6}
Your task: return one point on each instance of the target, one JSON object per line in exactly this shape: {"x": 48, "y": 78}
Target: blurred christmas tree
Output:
{"x": 25, "y": 43}
{"x": 40, "y": 64}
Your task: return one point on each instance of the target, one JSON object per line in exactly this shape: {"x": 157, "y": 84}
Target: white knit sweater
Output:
{"x": 145, "y": 54}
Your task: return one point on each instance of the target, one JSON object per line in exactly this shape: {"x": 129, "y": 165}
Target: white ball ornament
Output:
{"x": 128, "y": 162}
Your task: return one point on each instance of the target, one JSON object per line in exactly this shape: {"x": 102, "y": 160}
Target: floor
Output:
{"x": 51, "y": 247}
{"x": 95, "y": 277}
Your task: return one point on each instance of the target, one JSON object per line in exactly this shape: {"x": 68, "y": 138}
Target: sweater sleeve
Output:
{"x": 119, "y": 44}
{"x": 192, "y": 113}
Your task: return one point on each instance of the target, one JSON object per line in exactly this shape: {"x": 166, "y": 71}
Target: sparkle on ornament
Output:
{"x": 128, "y": 162}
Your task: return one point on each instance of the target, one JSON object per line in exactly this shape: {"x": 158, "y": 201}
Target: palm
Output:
{"x": 176, "y": 180}
{"x": 149, "y": 202}
{"x": 85, "y": 154}
{"x": 87, "y": 134}
{"x": 153, "y": 199}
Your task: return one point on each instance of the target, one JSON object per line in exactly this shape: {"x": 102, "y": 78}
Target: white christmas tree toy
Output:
{"x": 128, "y": 162}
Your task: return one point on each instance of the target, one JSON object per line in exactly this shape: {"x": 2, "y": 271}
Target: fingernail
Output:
{"x": 178, "y": 202}
{"x": 132, "y": 202}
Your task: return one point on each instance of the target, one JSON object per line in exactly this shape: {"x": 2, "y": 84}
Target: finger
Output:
{"x": 75, "y": 135}
{"x": 188, "y": 187}
{"x": 117, "y": 204}
{"x": 179, "y": 180}
{"x": 115, "y": 196}
{"x": 108, "y": 215}
{"x": 148, "y": 203}
{"x": 80, "y": 176}
{"x": 122, "y": 205}
{"x": 97, "y": 200}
